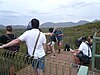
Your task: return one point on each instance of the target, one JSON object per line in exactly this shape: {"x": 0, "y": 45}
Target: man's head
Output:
{"x": 51, "y": 30}
{"x": 35, "y": 23}
{"x": 90, "y": 39}
{"x": 83, "y": 38}
{"x": 80, "y": 40}
{"x": 9, "y": 28}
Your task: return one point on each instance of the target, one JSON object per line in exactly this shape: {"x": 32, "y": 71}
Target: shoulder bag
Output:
{"x": 35, "y": 44}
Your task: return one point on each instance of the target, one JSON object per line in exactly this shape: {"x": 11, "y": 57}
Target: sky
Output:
{"x": 20, "y": 12}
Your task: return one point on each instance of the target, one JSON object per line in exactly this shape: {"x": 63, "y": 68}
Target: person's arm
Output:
{"x": 48, "y": 33}
{"x": 75, "y": 51}
{"x": 60, "y": 34}
{"x": 12, "y": 43}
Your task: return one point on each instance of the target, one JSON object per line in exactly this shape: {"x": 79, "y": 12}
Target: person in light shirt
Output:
{"x": 84, "y": 47}
{"x": 52, "y": 40}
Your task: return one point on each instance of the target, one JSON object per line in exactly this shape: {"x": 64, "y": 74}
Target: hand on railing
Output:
{"x": 2, "y": 46}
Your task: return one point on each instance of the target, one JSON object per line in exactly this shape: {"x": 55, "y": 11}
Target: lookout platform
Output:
{"x": 57, "y": 64}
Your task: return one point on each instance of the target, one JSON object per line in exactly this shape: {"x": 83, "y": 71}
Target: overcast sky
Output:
{"x": 22, "y": 11}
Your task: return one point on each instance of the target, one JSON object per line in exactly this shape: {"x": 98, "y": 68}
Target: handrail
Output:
{"x": 96, "y": 52}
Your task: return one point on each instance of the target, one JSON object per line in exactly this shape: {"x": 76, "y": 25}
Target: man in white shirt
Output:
{"x": 85, "y": 49}
{"x": 30, "y": 37}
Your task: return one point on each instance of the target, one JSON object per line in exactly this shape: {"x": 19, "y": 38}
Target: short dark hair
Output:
{"x": 84, "y": 38}
{"x": 8, "y": 28}
{"x": 91, "y": 37}
{"x": 51, "y": 30}
{"x": 35, "y": 23}
{"x": 80, "y": 40}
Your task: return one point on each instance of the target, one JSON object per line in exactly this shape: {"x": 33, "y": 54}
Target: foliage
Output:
{"x": 70, "y": 34}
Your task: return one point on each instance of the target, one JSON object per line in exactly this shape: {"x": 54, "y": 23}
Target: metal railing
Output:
{"x": 21, "y": 65}
{"x": 11, "y": 61}
{"x": 96, "y": 52}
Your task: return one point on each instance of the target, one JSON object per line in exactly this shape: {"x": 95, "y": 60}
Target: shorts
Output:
{"x": 38, "y": 63}
{"x": 52, "y": 43}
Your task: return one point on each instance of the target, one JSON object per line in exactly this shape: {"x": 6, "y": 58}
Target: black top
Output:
{"x": 4, "y": 39}
{"x": 53, "y": 38}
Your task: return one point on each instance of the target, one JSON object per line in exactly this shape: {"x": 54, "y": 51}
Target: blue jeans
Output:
{"x": 38, "y": 63}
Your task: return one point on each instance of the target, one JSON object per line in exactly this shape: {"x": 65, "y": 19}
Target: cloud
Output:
{"x": 79, "y": 4}
{"x": 7, "y": 11}
{"x": 1, "y": 1}
{"x": 32, "y": 12}
{"x": 14, "y": 20}
{"x": 21, "y": 11}
{"x": 8, "y": 14}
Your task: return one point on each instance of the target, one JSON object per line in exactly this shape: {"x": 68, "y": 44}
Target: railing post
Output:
{"x": 93, "y": 52}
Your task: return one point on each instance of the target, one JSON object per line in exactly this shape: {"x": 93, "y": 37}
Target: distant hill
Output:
{"x": 14, "y": 27}
{"x": 96, "y": 20}
{"x": 19, "y": 27}
{"x": 63, "y": 24}
{"x": 51, "y": 24}
{"x": 2, "y": 27}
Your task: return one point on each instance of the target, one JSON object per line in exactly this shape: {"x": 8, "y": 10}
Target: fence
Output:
{"x": 96, "y": 52}
{"x": 10, "y": 60}
{"x": 22, "y": 65}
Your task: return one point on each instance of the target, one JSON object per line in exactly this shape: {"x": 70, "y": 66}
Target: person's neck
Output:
{"x": 8, "y": 32}
{"x": 35, "y": 28}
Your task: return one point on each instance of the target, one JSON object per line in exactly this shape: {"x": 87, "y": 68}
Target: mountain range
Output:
{"x": 51, "y": 24}
{"x": 66, "y": 24}
{"x": 63, "y": 24}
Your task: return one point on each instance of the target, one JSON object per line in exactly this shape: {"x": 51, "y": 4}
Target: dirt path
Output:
{"x": 56, "y": 64}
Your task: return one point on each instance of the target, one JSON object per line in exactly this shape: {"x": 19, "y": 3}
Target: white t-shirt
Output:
{"x": 30, "y": 37}
{"x": 84, "y": 48}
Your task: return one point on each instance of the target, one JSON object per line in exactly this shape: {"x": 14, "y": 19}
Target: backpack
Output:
{"x": 13, "y": 48}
